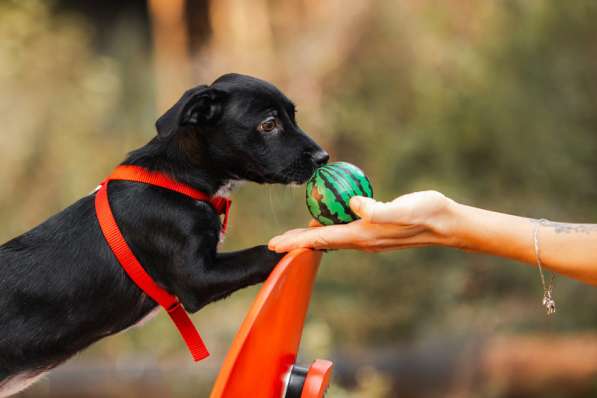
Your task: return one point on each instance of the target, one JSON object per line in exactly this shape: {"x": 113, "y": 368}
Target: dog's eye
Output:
{"x": 268, "y": 125}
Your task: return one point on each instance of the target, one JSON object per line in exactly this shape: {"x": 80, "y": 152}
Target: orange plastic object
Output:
{"x": 266, "y": 344}
{"x": 318, "y": 379}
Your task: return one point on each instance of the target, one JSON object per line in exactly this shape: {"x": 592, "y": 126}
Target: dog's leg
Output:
{"x": 227, "y": 274}
{"x": 18, "y": 383}
{"x": 254, "y": 266}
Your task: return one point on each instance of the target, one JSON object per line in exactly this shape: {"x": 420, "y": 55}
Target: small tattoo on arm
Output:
{"x": 568, "y": 228}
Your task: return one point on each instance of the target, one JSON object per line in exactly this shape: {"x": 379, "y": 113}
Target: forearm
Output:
{"x": 569, "y": 249}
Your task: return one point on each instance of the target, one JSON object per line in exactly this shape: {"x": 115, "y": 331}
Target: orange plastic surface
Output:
{"x": 267, "y": 342}
{"x": 318, "y": 379}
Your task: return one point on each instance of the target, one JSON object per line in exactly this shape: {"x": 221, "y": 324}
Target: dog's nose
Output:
{"x": 321, "y": 157}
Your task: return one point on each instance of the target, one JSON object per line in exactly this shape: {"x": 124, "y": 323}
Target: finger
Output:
{"x": 314, "y": 223}
{"x": 277, "y": 239}
{"x": 361, "y": 206}
{"x": 289, "y": 241}
{"x": 376, "y": 212}
{"x": 383, "y": 245}
{"x": 327, "y": 237}
{"x": 370, "y": 209}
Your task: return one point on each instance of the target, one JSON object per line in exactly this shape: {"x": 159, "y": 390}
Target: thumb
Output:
{"x": 364, "y": 207}
{"x": 373, "y": 211}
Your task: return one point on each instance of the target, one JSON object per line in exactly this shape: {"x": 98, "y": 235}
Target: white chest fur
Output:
{"x": 19, "y": 383}
{"x": 225, "y": 191}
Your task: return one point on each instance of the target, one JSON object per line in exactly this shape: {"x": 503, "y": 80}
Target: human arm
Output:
{"x": 431, "y": 219}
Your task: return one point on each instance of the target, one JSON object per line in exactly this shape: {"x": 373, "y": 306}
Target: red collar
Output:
{"x": 129, "y": 262}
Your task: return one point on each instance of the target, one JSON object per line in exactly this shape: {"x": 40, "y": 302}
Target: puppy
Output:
{"x": 61, "y": 288}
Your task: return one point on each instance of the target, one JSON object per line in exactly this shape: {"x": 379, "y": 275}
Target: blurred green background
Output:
{"x": 493, "y": 103}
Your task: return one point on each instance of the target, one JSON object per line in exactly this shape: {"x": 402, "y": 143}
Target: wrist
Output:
{"x": 448, "y": 226}
{"x": 479, "y": 230}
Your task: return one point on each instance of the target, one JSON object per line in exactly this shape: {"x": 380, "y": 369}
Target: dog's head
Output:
{"x": 245, "y": 129}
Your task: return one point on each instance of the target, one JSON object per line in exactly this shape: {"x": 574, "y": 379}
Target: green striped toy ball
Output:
{"x": 329, "y": 191}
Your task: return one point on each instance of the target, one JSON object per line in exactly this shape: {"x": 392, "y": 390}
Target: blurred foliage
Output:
{"x": 64, "y": 110}
{"x": 500, "y": 115}
{"x": 492, "y": 103}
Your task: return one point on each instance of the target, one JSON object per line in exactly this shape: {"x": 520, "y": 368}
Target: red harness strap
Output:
{"x": 129, "y": 262}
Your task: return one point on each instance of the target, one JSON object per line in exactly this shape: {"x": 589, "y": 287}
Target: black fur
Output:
{"x": 61, "y": 288}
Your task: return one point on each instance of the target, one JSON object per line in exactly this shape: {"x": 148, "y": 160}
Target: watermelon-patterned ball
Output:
{"x": 329, "y": 191}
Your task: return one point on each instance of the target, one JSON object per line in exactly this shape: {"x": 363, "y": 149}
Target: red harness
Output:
{"x": 129, "y": 262}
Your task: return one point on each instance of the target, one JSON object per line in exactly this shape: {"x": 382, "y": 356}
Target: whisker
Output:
{"x": 271, "y": 206}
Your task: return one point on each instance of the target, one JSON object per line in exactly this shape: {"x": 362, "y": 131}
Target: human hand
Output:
{"x": 412, "y": 220}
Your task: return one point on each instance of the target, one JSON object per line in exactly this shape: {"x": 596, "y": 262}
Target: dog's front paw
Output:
{"x": 267, "y": 261}
{"x": 230, "y": 272}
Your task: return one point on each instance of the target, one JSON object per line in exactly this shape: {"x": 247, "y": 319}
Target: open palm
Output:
{"x": 411, "y": 220}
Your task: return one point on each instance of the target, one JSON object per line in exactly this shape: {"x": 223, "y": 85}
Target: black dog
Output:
{"x": 61, "y": 288}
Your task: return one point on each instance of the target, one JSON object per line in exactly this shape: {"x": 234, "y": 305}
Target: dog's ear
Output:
{"x": 203, "y": 107}
{"x": 197, "y": 106}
